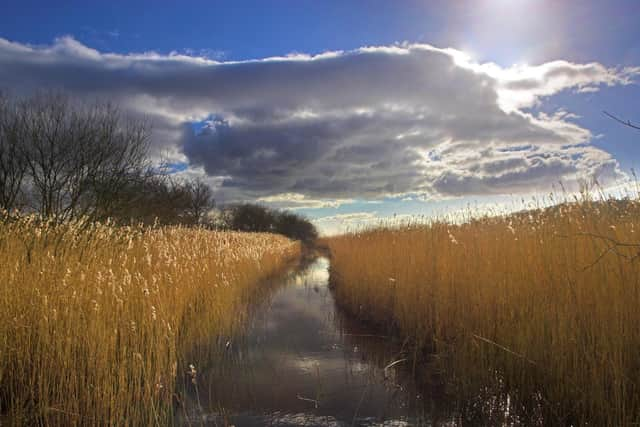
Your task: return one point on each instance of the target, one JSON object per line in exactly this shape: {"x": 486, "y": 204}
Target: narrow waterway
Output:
{"x": 303, "y": 362}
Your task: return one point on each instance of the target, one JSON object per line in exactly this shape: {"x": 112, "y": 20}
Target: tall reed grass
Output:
{"x": 96, "y": 320}
{"x": 544, "y": 303}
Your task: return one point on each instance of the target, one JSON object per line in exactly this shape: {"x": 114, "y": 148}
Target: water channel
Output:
{"x": 302, "y": 361}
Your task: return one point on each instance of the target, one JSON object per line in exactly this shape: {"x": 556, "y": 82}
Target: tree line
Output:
{"x": 63, "y": 158}
{"x": 257, "y": 218}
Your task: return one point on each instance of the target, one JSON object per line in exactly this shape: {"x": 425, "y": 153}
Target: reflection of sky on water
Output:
{"x": 296, "y": 365}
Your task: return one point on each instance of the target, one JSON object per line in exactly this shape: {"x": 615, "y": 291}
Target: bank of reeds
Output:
{"x": 544, "y": 304}
{"x": 95, "y": 319}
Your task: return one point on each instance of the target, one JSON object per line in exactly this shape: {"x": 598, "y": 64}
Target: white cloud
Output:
{"x": 295, "y": 201}
{"x": 523, "y": 86}
{"x": 350, "y": 217}
{"x": 340, "y": 223}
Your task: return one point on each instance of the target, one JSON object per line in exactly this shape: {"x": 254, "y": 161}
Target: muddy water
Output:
{"x": 303, "y": 362}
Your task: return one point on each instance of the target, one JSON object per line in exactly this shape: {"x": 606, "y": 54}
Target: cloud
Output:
{"x": 523, "y": 86}
{"x": 350, "y": 217}
{"x": 340, "y": 223}
{"x": 295, "y": 201}
{"x": 355, "y": 221}
{"x": 508, "y": 171}
{"x": 307, "y": 130}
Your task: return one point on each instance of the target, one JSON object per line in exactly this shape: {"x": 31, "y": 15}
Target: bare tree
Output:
{"x": 72, "y": 159}
{"x": 154, "y": 199}
{"x": 200, "y": 200}
{"x": 12, "y": 163}
{"x": 78, "y": 156}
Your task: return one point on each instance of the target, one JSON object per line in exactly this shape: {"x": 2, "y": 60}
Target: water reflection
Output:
{"x": 302, "y": 362}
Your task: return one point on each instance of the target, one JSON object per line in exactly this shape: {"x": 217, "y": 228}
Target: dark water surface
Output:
{"x": 303, "y": 362}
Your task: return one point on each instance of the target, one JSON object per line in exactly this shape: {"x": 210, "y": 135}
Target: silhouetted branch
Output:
{"x": 627, "y": 123}
{"x": 613, "y": 245}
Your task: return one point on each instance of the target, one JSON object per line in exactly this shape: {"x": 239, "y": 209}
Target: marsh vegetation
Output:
{"x": 96, "y": 320}
{"x": 540, "y": 306}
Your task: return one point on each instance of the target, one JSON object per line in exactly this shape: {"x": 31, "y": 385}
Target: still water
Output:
{"x": 303, "y": 362}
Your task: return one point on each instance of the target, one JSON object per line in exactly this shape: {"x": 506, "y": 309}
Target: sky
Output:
{"x": 353, "y": 112}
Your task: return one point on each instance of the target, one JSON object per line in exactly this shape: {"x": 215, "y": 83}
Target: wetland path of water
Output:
{"x": 303, "y": 362}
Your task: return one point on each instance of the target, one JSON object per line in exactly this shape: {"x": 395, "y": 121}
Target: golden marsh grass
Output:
{"x": 95, "y": 319}
{"x": 548, "y": 301}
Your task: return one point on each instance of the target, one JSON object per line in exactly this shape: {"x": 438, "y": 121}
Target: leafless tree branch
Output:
{"x": 626, "y": 123}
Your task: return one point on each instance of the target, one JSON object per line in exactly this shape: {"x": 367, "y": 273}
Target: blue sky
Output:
{"x": 281, "y": 101}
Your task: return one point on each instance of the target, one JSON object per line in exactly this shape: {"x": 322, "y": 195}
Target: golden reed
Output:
{"x": 95, "y": 319}
{"x": 546, "y": 302}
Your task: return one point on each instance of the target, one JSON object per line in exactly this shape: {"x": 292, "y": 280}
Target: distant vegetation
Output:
{"x": 256, "y": 218}
{"x": 65, "y": 160}
{"x": 534, "y": 314}
{"x": 98, "y": 323}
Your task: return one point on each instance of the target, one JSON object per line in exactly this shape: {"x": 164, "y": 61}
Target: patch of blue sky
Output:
{"x": 176, "y": 167}
{"x": 622, "y": 142}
